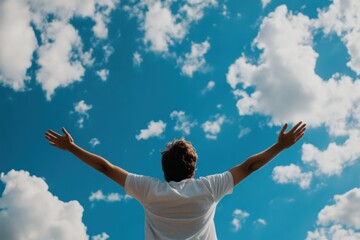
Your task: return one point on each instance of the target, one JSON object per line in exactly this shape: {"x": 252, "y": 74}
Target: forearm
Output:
{"x": 95, "y": 161}
{"x": 259, "y": 160}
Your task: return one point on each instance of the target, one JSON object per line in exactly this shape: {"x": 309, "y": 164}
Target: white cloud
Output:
{"x": 183, "y": 122}
{"x": 137, "y": 59}
{"x": 209, "y": 87}
{"x": 108, "y": 51}
{"x": 213, "y": 128}
{"x": 155, "y": 129}
{"x": 287, "y": 66}
{"x": 94, "y": 142}
{"x": 243, "y": 132}
{"x": 102, "y": 236}
{"x": 17, "y": 43}
{"x": 334, "y": 232}
{"x": 345, "y": 210}
{"x": 111, "y": 197}
{"x": 291, "y": 174}
{"x": 103, "y": 74}
{"x": 260, "y": 221}
{"x": 341, "y": 220}
{"x": 59, "y": 66}
{"x": 163, "y": 28}
{"x": 264, "y": 3}
{"x": 342, "y": 18}
{"x": 81, "y": 108}
{"x": 195, "y": 60}
{"x": 239, "y": 217}
{"x": 61, "y": 58}
{"x": 334, "y": 158}
{"x": 225, "y": 11}
{"x": 101, "y": 17}
{"x": 29, "y": 211}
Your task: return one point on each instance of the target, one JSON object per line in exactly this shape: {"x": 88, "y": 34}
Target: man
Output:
{"x": 182, "y": 207}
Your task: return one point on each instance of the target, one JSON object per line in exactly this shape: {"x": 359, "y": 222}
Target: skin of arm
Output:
{"x": 253, "y": 163}
{"x": 66, "y": 142}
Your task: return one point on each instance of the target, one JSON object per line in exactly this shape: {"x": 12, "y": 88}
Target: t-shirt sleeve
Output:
{"x": 220, "y": 184}
{"x": 138, "y": 186}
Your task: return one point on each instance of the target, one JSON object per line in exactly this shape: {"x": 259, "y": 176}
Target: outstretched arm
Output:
{"x": 256, "y": 161}
{"x": 66, "y": 142}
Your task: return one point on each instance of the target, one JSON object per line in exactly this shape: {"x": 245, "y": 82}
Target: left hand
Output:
{"x": 286, "y": 140}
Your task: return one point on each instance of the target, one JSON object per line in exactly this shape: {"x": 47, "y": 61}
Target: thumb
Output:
{"x": 65, "y": 132}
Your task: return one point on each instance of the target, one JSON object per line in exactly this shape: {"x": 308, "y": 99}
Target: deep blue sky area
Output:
{"x": 117, "y": 110}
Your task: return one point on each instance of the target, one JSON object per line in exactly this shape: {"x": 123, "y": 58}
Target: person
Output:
{"x": 182, "y": 207}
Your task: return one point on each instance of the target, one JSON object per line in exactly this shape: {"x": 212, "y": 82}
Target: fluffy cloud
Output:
{"x": 239, "y": 217}
{"x": 260, "y": 221}
{"x": 163, "y": 28}
{"x": 102, "y": 236}
{"x": 287, "y": 66}
{"x": 209, "y": 87}
{"x": 334, "y": 232}
{"x": 61, "y": 57}
{"x": 213, "y": 128}
{"x": 264, "y": 3}
{"x": 59, "y": 66}
{"x": 183, "y": 122}
{"x": 194, "y": 61}
{"x": 155, "y": 129}
{"x": 334, "y": 158}
{"x": 81, "y": 108}
{"x": 291, "y": 174}
{"x": 243, "y": 132}
{"x": 94, "y": 142}
{"x": 137, "y": 59}
{"x": 29, "y": 211}
{"x": 341, "y": 220}
{"x": 342, "y": 18}
{"x": 111, "y": 197}
{"x": 17, "y": 43}
{"x": 103, "y": 74}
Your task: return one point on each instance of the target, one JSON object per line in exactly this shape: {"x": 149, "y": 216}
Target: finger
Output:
{"x": 283, "y": 129}
{"x": 65, "y": 132}
{"x": 52, "y": 144}
{"x": 300, "y": 129}
{"x": 50, "y": 137}
{"x": 295, "y": 127}
{"x": 300, "y": 136}
{"x": 54, "y": 133}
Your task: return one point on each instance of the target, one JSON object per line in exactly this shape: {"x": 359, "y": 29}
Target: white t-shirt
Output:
{"x": 179, "y": 210}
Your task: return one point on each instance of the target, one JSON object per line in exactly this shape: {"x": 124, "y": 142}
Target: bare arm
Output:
{"x": 285, "y": 140}
{"x": 97, "y": 162}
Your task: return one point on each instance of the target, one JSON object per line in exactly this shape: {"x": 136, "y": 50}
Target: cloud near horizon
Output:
{"x": 29, "y": 211}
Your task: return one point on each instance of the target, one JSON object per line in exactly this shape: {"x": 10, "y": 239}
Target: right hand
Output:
{"x": 286, "y": 140}
{"x": 64, "y": 142}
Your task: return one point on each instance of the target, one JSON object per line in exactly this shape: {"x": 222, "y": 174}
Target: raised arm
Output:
{"x": 285, "y": 140}
{"x": 66, "y": 142}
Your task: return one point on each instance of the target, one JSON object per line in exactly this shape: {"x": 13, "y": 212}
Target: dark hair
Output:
{"x": 178, "y": 160}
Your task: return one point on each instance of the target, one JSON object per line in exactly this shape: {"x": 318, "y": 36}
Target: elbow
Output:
{"x": 104, "y": 168}
{"x": 252, "y": 167}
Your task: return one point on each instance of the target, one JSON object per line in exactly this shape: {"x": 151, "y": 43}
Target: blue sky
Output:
{"x": 124, "y": 78}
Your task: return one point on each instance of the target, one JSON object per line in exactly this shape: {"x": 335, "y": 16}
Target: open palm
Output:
{"x": 288, "y": 139}
{"x": 61, "y": 141}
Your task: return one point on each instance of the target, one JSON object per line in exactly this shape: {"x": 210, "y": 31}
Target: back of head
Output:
{"x": 178, "y": 160}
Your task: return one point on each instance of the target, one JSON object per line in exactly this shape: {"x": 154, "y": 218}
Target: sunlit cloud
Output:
{"x": 155, "y": 129}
